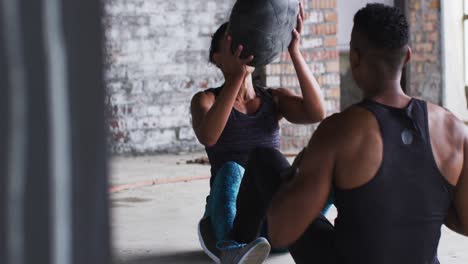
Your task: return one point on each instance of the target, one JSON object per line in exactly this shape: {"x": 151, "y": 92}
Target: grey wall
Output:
{"x": 346, "y": 11}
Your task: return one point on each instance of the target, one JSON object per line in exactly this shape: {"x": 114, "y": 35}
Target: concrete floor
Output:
{"x": 133, "y": 169}
{"x": 157, "y": 224}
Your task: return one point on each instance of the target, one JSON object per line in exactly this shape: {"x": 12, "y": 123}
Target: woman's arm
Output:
{"x": 310, "y": 107}
{"x": 210, "y": 115}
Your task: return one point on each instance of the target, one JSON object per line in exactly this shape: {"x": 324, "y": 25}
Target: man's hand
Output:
{"x": 288, "y": 174}
{"x": 297, "y": 161}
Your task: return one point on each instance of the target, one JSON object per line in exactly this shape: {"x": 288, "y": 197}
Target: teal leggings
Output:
{"x": 221, "y": 206}
{"x": 221, "y": 203}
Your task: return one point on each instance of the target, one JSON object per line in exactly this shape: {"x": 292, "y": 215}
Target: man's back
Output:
{"x": 363, "y": 154}
{"x": 393, "y": 192}
{"x": 398, "y": 166}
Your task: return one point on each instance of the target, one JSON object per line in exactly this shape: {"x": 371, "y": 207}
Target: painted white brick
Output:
{"x": 157, "y": 53}
{"x": 273, "y": 81}
{"x": 129, "y": 124}
{"x": 155, "y": 139}
{"x": 153, "y": 110}
{"x": 309, "y": 43}
{"x": 137, "y": 137}
{"x": 119, "y": 99}
{"x": 187, "y": 133}
{"x": 315, "y": 17}
{"x": 211, "y": 6}
{"x": 317, "y": 68}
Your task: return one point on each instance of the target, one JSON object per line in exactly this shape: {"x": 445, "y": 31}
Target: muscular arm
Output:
{"x": 310, "y": 107}
{"x": 300, "y": 201}
{"x": 457, "y": 219}
{"x": 305, "y": 109}
{"x": 209, "y": 116}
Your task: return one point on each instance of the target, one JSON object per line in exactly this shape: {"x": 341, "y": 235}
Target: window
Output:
{"x": 454, "y": 22}
{"x": 465, "y": 25}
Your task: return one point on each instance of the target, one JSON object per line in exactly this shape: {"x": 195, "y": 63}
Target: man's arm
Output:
{"x": 452, "y": 221}
{"x": 457, "y": 219}
{"x": 300, "y": 201}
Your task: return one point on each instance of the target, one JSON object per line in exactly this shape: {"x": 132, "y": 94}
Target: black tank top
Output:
{"x": 397, "y": 216}
{"x": 243, "y": 133}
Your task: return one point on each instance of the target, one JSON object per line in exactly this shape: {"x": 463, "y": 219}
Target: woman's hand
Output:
{"x": 295, "y": 44}
{"x": 231, "y": 64}
{"x": 310, "y": 107}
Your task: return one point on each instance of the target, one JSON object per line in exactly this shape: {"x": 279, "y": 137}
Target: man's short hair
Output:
{"x": 385, "y": 27}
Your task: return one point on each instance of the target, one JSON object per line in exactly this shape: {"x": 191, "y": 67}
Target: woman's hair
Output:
{"x": 216, "y": 40}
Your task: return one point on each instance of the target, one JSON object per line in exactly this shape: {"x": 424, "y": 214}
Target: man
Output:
{"x": 398, "y": 167}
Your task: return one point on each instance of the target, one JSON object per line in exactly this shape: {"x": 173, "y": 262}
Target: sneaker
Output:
{"x": 207, "y": 239}
{"x": 255, "y": 252}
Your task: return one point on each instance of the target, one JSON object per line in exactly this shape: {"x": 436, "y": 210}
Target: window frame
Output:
{"x": 465, "y": 44}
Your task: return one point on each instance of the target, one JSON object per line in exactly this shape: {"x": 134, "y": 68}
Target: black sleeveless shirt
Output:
{"x": 243, "y": 133}
{"x": 397, "y": 216}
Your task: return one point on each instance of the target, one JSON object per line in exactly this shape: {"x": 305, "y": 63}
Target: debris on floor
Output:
{"x": 201, "y": 161}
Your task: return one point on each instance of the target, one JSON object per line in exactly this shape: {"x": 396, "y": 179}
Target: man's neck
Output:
{"x": 389, "y": 93}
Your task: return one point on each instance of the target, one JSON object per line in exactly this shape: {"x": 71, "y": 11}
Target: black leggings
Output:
{"x": 260, "y": 183}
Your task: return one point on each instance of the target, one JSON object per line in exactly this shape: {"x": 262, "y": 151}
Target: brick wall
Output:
{"x": 424, "y": 75}
{"x": 319, "y": 46}
{"x": 157, "y": 59}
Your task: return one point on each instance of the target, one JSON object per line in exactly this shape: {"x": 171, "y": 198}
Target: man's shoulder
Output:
{"x": 353, "y": 116}
{"x": 348, "y": 123}
{"x": 441, "y": 114}
{"x": 440, "y": 117}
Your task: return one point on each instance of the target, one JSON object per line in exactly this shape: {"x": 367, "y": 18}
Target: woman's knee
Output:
{"x": 268, "y": 157}
{"x": 231, "y": 172}
{"x": 266, "y": 154}
{"x": 231, "y": 167}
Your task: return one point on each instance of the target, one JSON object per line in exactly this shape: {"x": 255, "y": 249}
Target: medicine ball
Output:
{"x": 263, "y": 27}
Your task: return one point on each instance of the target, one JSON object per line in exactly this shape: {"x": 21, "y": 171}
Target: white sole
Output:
{"x": 205, "y": 248}
{"x": 256, "y": 255}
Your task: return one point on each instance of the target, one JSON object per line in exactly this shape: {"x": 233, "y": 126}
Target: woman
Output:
{"x": 232, "y": 120}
